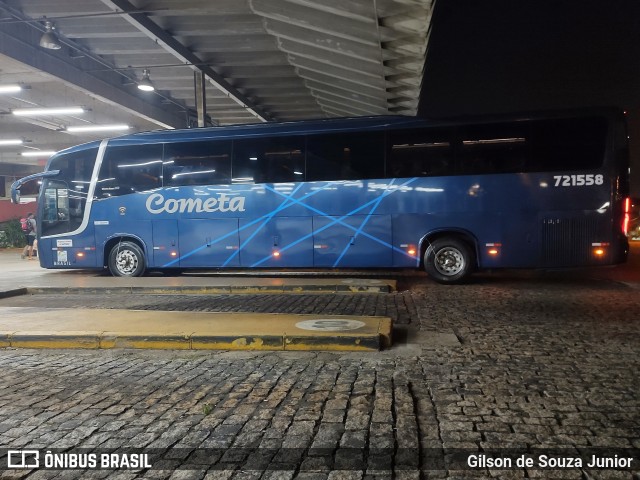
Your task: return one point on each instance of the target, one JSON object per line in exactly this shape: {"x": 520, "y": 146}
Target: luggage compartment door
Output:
{"x": 209, "y": 243}
{"x": 368, "y": 243}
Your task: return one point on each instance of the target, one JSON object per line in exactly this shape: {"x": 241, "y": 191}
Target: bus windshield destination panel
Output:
{"x": 537, "y": 191}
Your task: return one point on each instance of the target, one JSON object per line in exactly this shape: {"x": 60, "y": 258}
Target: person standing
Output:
{"x": 31, "y": 235}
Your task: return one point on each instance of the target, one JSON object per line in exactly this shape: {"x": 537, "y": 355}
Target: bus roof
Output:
{"x": 267, "y": 129}
{"x": 255, "y": 130}
{"x": 320, "y": 126}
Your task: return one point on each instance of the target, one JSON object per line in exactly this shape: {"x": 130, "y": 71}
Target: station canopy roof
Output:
{"x": 260, "y": 60}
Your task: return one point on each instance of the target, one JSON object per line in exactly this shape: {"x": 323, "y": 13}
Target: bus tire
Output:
{"x": 448, "y": 260}
{"x": 126, "y": 259}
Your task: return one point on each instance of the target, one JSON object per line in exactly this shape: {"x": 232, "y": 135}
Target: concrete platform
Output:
{"x": 18, "y": 274}
{"x": 186, "y": 285}
{"x": 93, "y": 329}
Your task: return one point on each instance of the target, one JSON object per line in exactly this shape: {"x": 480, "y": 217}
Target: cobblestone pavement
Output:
{"x": 546, "y": 363}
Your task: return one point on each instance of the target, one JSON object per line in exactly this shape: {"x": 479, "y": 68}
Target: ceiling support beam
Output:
{"x": 143, "y": 23}
{"x": 199, "y": 82}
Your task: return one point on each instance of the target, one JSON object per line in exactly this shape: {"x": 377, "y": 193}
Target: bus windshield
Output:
{"x": 64, "y": 197}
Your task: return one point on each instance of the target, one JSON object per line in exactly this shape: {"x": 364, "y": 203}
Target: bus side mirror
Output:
{"x": 15, "y": 198}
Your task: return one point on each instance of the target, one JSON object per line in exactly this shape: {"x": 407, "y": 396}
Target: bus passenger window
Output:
{"x": 494, "y": 148}
{"x": 244, "y": 166}
{"x": 129, "y": 169}
{"x": 268, "y": 160}
{"x": 420, "y": 153}
{"x": 350, "y": 156}
{"x": 563, "y": 144}
{"x": 197, "y": 163}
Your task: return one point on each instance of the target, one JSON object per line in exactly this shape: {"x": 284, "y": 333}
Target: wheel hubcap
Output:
{"x": 127, "y": 262}
{"x": 449, "y": 261}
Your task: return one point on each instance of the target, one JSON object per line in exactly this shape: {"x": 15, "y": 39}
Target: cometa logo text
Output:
{"x": 156, "y": 204}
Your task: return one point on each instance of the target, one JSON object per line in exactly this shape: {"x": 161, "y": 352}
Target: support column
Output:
{"x": 201, "y": 98}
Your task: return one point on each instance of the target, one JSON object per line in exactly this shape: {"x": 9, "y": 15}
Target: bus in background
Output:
{"x": 539, "y": 190}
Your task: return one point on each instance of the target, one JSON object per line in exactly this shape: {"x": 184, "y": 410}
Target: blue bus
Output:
{"x": 539, "y": 190}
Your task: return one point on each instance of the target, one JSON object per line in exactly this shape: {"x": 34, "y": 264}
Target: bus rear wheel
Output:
{"x": 126, "y": 260}
{"x": 448, "y": 260}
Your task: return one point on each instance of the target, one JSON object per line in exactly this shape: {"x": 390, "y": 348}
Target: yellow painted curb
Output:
{"x": 181, "y": 291}
{"x": 369, "y": 343}
{"x": 385, "y": 330}
{"x": 150, "y": 341}
{"x": 69, "y": 339}
{"x": 245, "y": 342}
{"x": 5, "y": 339}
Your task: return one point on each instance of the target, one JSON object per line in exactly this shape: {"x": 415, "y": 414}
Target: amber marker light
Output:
{"x": 80, "y": 254}
{"x": 493, "y": 249}
{"x": 276, "y": 254}
{"x": 174, "y": 254}
{"x": 410, "y": 249}
{"x": 599, "y": 249}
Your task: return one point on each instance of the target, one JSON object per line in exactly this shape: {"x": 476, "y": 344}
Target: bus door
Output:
{"x": 279, "y": 242}
{"x": 208, "y": 242}
{"x": 355, "y": 241}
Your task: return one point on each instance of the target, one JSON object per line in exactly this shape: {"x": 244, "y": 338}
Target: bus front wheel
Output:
{"x": 448, "y": 260}
{"x": 126, "y": 260}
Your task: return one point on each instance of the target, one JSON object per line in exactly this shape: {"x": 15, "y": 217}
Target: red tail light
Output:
{"x": 626, "y": 215}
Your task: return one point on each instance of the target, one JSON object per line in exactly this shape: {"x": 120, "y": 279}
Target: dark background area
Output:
{"x": 499, "y": 56}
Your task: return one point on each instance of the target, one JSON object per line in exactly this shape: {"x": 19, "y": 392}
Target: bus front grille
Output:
{"x": 567, "y": 242}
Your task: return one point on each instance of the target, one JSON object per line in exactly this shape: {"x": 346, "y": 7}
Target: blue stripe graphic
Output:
{"x": 338, "y": 220}
{"x": 290, "y": 201}
{"x": 282, "y": 206}
{"x": 286, "y": 203}
{"x": 362, "y": 225}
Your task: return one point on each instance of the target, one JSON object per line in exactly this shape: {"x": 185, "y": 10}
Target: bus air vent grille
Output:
{"x": 566, "y": 242}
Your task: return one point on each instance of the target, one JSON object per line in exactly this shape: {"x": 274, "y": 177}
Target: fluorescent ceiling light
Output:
{"x": 16, "y": 141}
{"x": 97, "y": 128}
{"x": 10, "y": 88}
{"x": 26, "y": 112}
{"x": 38, "y": 153}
